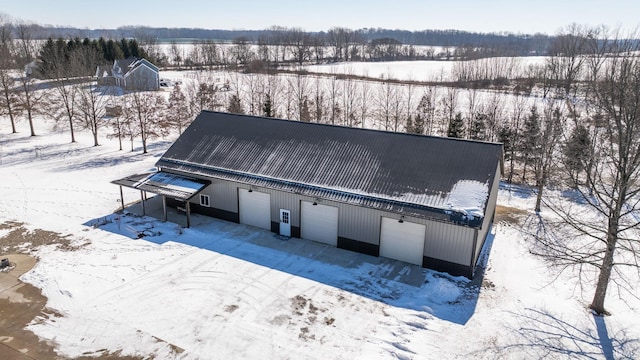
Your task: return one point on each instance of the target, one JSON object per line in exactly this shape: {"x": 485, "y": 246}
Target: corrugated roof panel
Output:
{"x": 349, "y": 164}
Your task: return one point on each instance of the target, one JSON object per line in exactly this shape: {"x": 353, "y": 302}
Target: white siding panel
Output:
{"x": 402, "y": 241}
{"x": 255, "y": 208}
{"x": 319, "y": 223}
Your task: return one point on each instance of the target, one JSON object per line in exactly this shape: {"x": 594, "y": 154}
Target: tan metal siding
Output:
{"x": 358, "y": 223}
{"x": 490, "y": 210}
{"x": 443, "y": 241}
{"x": 449, "y": 242}
{"x": 284, "y": 200}
{"x": 224, "y": 195}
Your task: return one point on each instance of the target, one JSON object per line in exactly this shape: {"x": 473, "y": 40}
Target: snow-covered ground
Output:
{"x": 223, "y": 290}
{"x": 423, "y": 70}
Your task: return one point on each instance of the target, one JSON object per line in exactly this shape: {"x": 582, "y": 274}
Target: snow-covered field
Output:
{"x": 223, "y": 290}
{"x": 423, "y": 70}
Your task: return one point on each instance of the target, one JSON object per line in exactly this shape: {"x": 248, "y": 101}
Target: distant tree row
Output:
{"x": 522, "y": 44}
{"x": 77, "y": 57}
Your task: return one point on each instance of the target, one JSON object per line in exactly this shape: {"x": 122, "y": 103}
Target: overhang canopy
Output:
{"x": 171, "y": 185}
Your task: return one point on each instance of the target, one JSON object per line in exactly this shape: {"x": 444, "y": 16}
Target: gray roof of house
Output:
{"x": 430, "y": 177}
{"x": 140, "y": 61}
{"x": 123, "y": 64}
{"x": 103, "y": 71}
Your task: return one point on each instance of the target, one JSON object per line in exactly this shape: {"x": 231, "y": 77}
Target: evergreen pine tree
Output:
{"x": 408, "y": 128}
{"x": 418, "y": 125}
{"x": 477, "y": 127}
{"x": 135, "y": 50}
{"x": 506, "y": 137}
{"x": 530, "y": 140}
{"x": 124, "y": 46}
{"x": 305, "y": 114}
{"x": 577, "y": 152}
{"x": 205, "y": 97}
{"x": 456, "y": 127}
{"x": 266, "y": 106}
{"x": 235, "y": 105}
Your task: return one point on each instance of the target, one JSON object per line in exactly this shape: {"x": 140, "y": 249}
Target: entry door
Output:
{"x": 285, "y": 222}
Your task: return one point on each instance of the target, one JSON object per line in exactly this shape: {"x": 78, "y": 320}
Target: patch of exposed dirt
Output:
{"x": 301, "y": 305}
{"x": 231, "y": 308}
{"x": 21, "y": 303}
{"x": 510, "y": 215}
{"x": 298, "y": 303}
{"x": 21, "y": 240}
{"x": 15, "y": 341}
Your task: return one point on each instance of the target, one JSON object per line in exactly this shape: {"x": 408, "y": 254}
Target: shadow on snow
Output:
{"x": 388, "y": 281}
{"x": 544, "y": 334}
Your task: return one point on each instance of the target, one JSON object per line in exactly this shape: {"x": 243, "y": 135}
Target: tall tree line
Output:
{"x": 80, "y": 57}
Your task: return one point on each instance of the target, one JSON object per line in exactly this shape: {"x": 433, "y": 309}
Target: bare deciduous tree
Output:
{"x": 209, "y": 52}
{"x": 92, "y": 103}
{"x": 518, "y": 108}
{"x": 241, "y": 50}
{"x": 552, "y": 122}
{"x": 115, "y": 119}
{"x": 365, "y": 93}
{"x": 26, "y": 45}
{"x": 30, "y": 100}
{"x": 427, "y": 109}
{"x": 449, "y": 104}
{"x": 349, "y": 102}
{"x": 273, "y": 88}
{"x": 144, "y": 109}
{"x": 68, "y": 72}
{"x": 175, "y": 54}
{"x": 319, "y": 110}
{"x": 178, "y": 111}
{"x": 334, "y": 95}
{"x": 384, "y": 104}
{"x": 605, "y": 238}
{"x": 300, "y": 43}
{"x": 8, "y": 98}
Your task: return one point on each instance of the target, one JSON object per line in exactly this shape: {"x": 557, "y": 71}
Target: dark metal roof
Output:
{"x": 171, "y": 185}
{"x": 410, "y": 174}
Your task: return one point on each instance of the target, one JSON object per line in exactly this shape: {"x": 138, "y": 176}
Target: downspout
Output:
{"x": 188, "y": 214}
{"x": 472, "y": 267}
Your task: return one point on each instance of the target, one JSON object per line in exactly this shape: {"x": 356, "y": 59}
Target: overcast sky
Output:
{"x": 516, "y": 16}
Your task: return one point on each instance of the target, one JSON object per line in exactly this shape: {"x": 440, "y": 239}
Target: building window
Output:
{"x": 204, "y": 200}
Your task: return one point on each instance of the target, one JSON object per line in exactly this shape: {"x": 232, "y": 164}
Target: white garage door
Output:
{"x": 319, "y": 223}
{"x": 402, "y": 240}
{"x": 255, "y": 208}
